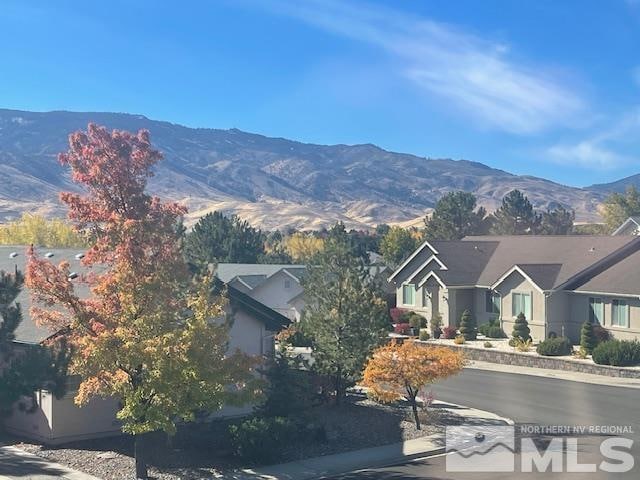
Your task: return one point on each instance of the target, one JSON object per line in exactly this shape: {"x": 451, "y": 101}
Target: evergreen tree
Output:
{"x": 468, "y": 327}
{"x": 521, "y": 328}
{"x": 515, "y": 216}
{"x": 217, "y": 238}
{"x": 588, "y": 340}
{"x": 346, "y": 314}
{"x": 36, "y": 367}
{"x": 558, "y": 221}
{"x": 455, "y": 217}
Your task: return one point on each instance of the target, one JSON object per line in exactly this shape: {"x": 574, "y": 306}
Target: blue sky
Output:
{"x": 541, "y": 87}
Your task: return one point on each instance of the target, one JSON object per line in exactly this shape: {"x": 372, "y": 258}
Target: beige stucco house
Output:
{"x": 58, "y": 420}
{"x": 558, "y": 282}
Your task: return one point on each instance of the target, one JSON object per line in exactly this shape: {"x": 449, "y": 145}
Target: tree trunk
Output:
{"x": 414, "y": 407}
{"x": 139, "y": 453}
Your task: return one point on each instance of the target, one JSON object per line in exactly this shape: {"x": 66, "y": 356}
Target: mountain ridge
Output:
{"x": 272, "y": 182}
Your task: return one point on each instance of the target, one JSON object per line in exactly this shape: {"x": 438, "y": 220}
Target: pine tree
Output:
{"x": 521, "y": 328}
{"x": 588, "y": 340}
{"x": 515, "y": 216}
{"x": 468, "y": 328}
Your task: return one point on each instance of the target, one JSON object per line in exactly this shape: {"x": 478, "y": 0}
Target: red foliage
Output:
{"x": 449, "y": 332}
{"x": 402, "y": 328}
{"x": 396, "y": 313}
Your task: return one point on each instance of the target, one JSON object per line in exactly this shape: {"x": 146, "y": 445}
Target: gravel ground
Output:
{"x": 202, "y": 451}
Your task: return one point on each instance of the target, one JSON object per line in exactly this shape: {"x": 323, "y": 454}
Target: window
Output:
{"x": 521, "y": 303}
{"x": 619, "y": 313}
{"x": 407, "y": 294}
{"x": 287, "y": 284}
{"x": 596, "y": 310}
{"x": 492, "y": 302}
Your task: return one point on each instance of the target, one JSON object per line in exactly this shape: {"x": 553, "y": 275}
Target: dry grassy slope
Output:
{"x": 272, "y": 182}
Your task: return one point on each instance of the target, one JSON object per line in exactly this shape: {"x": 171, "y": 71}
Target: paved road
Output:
{"x": 530, "y": 400}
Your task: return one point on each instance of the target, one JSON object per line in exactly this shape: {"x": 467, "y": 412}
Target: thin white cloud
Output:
{"x": 603, "y": 150}
{"x": 475, "y": 76}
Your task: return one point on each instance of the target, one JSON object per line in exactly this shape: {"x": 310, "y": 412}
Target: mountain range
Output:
{"x": 271, "y": 182}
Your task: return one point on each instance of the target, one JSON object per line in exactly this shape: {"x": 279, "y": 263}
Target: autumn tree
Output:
{"x": 345, "y": 314}
{"x": 148, "y": 333}
{"x": 397, "y": 244}
{"x": 402, "y": 370}
{"x": 37, "y": 230}
{"x": 618, "y": 207}
{"x": 218, "y": 238}
{"x": 302, "y": 247}
{"x": 25, "y": 370}
{"x": 515, "y": 216}
{"x": 456, "y": 215}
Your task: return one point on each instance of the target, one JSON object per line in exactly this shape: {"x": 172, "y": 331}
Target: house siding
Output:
{"x": 517, "y": 283}
{"x": 580, "y": 313}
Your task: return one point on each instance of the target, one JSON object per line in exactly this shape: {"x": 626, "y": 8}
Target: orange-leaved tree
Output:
{"x": 402, "y": 370}
{"x": 148, "y": 332}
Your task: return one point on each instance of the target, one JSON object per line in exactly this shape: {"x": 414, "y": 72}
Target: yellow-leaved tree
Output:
{"x": 38, "y": 230}
{"x": 402, "y": 370}
{"x": 302, "y": 247}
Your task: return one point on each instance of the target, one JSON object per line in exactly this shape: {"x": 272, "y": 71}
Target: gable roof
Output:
{"x": 629, "y": 222}
{"x": 549, "y": 261}
{"x": 620, "y": 278}
{"x": 252, "y": 275}
{"x": 542, "y": 276}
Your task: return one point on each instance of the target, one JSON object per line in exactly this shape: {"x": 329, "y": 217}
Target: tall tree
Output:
{"x": 148, "y": 333}
{"x": 558, "y": 221}
{"x": 37, "y": 230}
{"x": 515, "y": 216}
{"x": 618, "y": 207}
{"x": 346, "y": 314}
{"x": 396, "y": 245}
{"x": 25, "y": 370}
{"x": 219, "y": 238}
{"x": 302, "y": 247}
{"x": 455, "y": 217}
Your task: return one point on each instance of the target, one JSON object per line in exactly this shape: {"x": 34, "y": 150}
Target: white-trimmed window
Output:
{"x": 521, "y": 303}
{"x": 408, "y": 294}
{"x": 492, "y": 302}
{"x": 619, "y": 313}
{"x": 596, "y": 310}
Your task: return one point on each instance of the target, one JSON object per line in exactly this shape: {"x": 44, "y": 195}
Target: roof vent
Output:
{"x": 79, "y": 256}
{"x": 73, "y": 275}
{"x": 48, "y": 254}
{"x": 13, "y": 254}
{"x": 592, "y": 249}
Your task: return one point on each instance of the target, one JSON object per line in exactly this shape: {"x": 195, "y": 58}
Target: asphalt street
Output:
{"x": 532, "y": 401}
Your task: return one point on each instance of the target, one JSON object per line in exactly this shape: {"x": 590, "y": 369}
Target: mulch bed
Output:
{"x": 202, "y": 451}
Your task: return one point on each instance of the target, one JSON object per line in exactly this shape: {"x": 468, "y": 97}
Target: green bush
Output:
{"x": 436, "y": 325}
{"x": 521, "y": 328}
{"x": 261, "y": 439}
{"x": 484, "y": 328}
{"x": 417, "y": 321}
{"x": 621, "y": 353}
{"x": 553, "y": 347}
{"x": 488, "y": 345}
{"x": 424, "y": 334}
{"x": 468, "y": 326}
{"x": 588, "y": 339}
{"x": 601, "y": 333}
{"x": 495, "y": 332}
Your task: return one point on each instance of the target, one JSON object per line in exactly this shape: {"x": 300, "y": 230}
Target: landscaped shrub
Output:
{"x": 468, "y": 326}
{"x": 402, "y": 328}
{"x": 395, "y": 314}
{"x": 261, "y": 439}
{"x": 488, "y": 345}
{"x": 553, "y": 347}
{"x": 601, "y": 333}
{"x": 521, "y": 328}
{"x": 449, "y": 332}
{"x": 417, "y": 321}
{"x": 495, "y": 332}
{"x": 588, "y": 339}
{"x": 621, "y": 353}
{"x": 424, "y": 334}
{"x": 436, "y": 325}
{"x": 522, "y": 345}
{"x": 459, "y": 340}
{"x": 484, "y": 328}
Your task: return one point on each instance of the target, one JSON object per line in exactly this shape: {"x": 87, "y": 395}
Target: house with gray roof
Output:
{"x": 558, "y": 282}
{"x": 59, "y": 420}
{"x": 631, "y": 226}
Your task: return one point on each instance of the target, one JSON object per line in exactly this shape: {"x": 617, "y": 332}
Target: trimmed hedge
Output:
{"x": 555, "y": 347}
{"x": 495, "y": 331}
{"x": 619, "y": 353}
{"x": 261, "y": 439}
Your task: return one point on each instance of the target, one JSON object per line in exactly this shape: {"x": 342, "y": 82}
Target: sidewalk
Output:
{"x": 318, "y": 467}
{"x": 17, "y": 464}
{"x": 559, "y": 374}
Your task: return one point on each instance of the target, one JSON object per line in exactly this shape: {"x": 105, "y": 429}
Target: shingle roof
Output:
{"x": 254, "y": 274}
{"x": 622, "y": 278}
{"x": 552, "y": 260}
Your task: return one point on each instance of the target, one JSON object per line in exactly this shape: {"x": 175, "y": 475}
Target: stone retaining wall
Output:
{"x": 554, "y": 363}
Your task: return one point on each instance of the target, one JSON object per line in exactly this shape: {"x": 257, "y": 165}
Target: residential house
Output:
{"x": 558, "y": 282}
{"x": 279, "y": 286}
{"x": 59, "y": 420}
{"x": 631, "y": 226}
